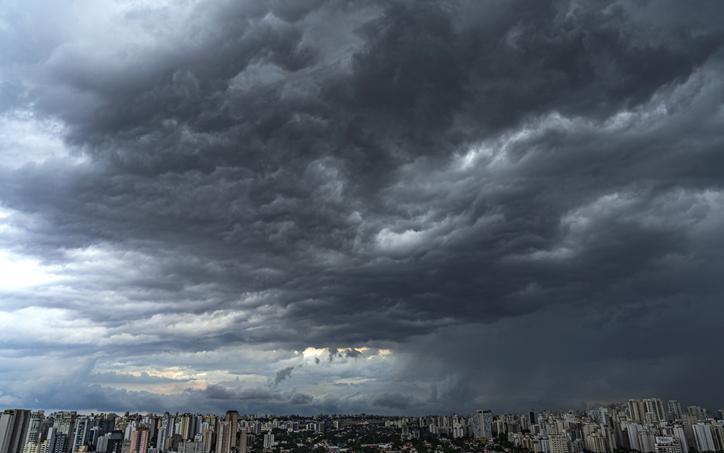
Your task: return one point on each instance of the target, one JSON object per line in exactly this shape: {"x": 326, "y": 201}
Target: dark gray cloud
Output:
{"x": 404, "y": 176}
{"x": 301, "y": 398}
{"x": 393, "y": 401}
{"x": 283, "y": 374}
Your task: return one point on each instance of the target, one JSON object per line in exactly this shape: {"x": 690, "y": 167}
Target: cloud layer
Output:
{"x": 342, "y": 206}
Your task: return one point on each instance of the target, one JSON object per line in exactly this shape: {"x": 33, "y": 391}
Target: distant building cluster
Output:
{"x": 645, "y": 426}
{"x": 642, "y": 425}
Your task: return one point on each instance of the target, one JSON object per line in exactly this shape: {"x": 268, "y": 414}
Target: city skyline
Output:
{"x": 674, "y": 407}
{"x": 383, "y": 206}
{"x": 647, "y": 425}
{"x": 634, "y": 408}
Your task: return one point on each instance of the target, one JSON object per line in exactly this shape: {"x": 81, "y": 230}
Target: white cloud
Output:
{"x": 33, "y": 325}
{"x": 26, "y": 139}
{"x": 18, "y": 272}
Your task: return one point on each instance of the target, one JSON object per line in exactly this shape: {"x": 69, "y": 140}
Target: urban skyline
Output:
{"x": 647, "y": 425}
{"x": 664, "y": 409}
{"x": 374, "y": 206}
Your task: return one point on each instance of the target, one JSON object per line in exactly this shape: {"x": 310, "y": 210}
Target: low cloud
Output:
{"x": 283, "y": 374}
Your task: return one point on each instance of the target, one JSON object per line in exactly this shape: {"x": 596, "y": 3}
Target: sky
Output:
{"x": 335, "y": 206}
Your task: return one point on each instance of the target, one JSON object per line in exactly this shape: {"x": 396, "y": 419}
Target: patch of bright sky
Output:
{"x": 26, "y": 139}
{"x": 18, "y": 272}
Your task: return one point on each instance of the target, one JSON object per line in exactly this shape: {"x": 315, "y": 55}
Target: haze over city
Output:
{"x": 340, "y": 207}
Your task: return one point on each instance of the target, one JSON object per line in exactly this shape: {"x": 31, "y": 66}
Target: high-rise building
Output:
{"x": 647, "y": 441}
{"x": 595, "y": 442}
{"x": 81, "y": 433}
{"x": 129, "y": 428}
{"x": 161, "y": 439}
{"x": 482, "y": 424}
{"x": 112, "y": 442}
{"x": 242, "y": 445}
{"x": 209, "y": 439}
{"x": 65, "y": 422}
{"x": 93, "y": 434}
{"x": 699, "y": 413}
{"x": 558, "y": 443}
{"x": 184, "y": 425}
{"x": 65, "y": 429}
{"x": 13, "y": 430}
{"x": 636, "y": 410}
{"x": 57, "y": 441}
{"x": 655, "y": 407}
{"x": 633, "y": 430}
{"x": 703, "y": 437}
{"x": 232, "y": 417}
{"x": 680, "y": 435}
{"x": 34, "y": 427}
{"x": 139, "y": 440}
{"x": 717, "y": 434}
{"x": 45, "y": 426}
{"x": 674, "y": 410}
{"x": 268, "y": 440}
{"x": 223, "y": 437}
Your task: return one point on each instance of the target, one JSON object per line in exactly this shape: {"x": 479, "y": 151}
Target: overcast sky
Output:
{"x": 342, "y": 206}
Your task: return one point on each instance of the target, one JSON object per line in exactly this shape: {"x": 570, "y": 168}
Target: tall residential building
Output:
{"x": 699, "y": 413}
{"x": 634, "y": 440}
{"x": 57, "y": 441}
{"x": 34, "y": 427}
{"x": 680, "y": 435}
{"x": 655, "y": 407}
{"x": 110, "y": 442}
{"x": 161, "y": 439}
{"x": 703, "y": 437}
{"x": 558, "y": 443}
{"x": 93, "y": 434}
{"x": 129, "y": 428}
{"x": 674, "y": 410}
{"x": 636, "y": 410}
{"x": 223, "y": 437}
{"x": 232, "y": 417}
{"x": 242, "y": 445}
{"x": 65, "y": 422}
{"x": 139, "y": 440}
{"x": 183, "y": 426}
{"x": 45, "y": 426}
{"x": 647, "y": 441}
{"x": 81, "y": 433}
{"x": 595, "y": 442}
{"x": 209, "y": 439}
{"x": 717, "y": 434}
{"x": 268, "y": 441}
{"x": 482, "y": 424}
{"x": 13, "y": 430}
{"x": 150, "y": 422}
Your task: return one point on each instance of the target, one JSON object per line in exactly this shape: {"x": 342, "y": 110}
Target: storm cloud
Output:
{"x": 417, "y": 206}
